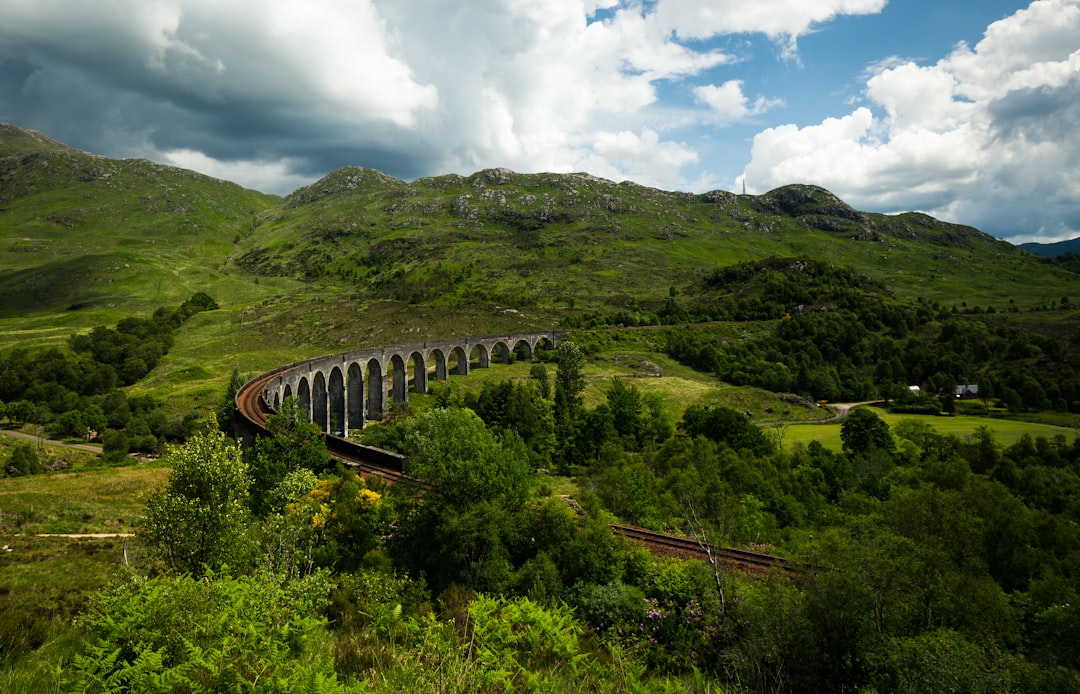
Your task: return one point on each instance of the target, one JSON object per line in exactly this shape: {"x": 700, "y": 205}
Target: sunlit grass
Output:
{"x": 1006, "y": 431}
{"x": 102, "y": 500}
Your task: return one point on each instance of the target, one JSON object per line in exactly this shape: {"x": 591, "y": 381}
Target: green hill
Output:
{"x": 551, "y": 242}
{"x": 83, "y": 233}
{"x": 360, "y": 258}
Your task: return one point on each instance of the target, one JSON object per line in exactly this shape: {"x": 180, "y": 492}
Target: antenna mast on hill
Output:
{"x": 744, "y": 186}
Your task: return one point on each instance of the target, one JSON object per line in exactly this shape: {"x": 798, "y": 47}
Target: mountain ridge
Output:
{"x": 551, "y": 244}
{"x": 1053, "y": 249}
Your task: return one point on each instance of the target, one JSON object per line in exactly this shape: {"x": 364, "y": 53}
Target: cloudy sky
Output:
{"x": 969, "y": 111}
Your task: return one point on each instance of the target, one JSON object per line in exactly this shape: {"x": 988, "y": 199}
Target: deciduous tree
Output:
{"x": 862, "y": 430}
{"x": 467, "y": 463}
{"x": 197, "y": 520}
{"x": 569, "y": 387}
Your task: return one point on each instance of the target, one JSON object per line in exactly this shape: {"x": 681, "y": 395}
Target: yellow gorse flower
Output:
{"x": 366, "y": 497}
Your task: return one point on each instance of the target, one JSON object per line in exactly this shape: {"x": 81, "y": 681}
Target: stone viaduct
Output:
{"x": 341, "y": 392}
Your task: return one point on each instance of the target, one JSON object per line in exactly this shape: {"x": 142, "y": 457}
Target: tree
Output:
{"x": 347, "y": 516}
{"x": 538, "y": 372}
{"x": 24, "y": 460}
{"x": 227, "y": 410}
{"x": 197, "y": 520}
{"x": 93, "y": 418}
{"x": 723, "y": 424}
{"x": 506, "y": 405}
{"x": 115, "y": 446}
{"x": 569, "y": 386}
{"x": 862, "y": 430}
{"x": 467, "y": 463}
{"x": 626, "y": 408}
{"x": 70, "y": 423}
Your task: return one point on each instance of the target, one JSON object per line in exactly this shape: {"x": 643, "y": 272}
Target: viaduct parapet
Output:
{"x": 340, "y": 392}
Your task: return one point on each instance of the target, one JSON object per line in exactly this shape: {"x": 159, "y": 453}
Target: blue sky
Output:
{"x": 969, "y": 111}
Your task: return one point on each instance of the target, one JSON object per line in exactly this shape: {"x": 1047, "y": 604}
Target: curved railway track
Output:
{"x": 254, "y": 410}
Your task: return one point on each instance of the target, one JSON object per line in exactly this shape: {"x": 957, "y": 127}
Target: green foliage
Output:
{"x": 863, "y": 431}
{"x": 469, "y": 546}
{"x": 940, "y": 661}
{"x": 519, "y": 642}
{"x": 347, "y": 515}
{"x": 24, "y": 460}
{"x": 725, "y": 425}
{"x": 226, "y": 413}
{"x": 569, "y": 386}
{"x": 115, "y": 446}
{"x": 774, "y": 638}
{"x": 294, "y": 444}
{"x": 464, "y": 460}
{"x": 629, "y": 489}
{"x": 519, "y": 407}
{"x": 214, "y": 634}
{"x": 627, "y": 408}
{"x": 196, "y": 522}
{"x": 538, "y": 373}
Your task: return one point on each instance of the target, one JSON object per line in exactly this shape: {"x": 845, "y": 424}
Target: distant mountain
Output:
{"x": 1053, "y": 249}
{"x": 80, "y": 231}
{"x": 82, "y": 234}
{"x": 556, "y": 242}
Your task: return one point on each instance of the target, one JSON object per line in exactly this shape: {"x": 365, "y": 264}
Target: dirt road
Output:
{"x": 31, "y": 437}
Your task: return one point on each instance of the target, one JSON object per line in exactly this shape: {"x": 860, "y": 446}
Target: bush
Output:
{"x": 214, "y": 634}
{"x": 24, "y": 461}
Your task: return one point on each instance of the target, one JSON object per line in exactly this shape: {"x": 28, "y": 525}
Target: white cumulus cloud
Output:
{"x": 298, "y": 87}
{"x": 985, "y": 136}
{"x": 729, "y": 104}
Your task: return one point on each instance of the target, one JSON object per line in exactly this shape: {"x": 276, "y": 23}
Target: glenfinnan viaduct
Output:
{"x": 342, "y": 391}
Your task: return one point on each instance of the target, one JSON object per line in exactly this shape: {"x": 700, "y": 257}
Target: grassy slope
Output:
{"x": 86, "y": 240}
{"x": 546, "y": 242}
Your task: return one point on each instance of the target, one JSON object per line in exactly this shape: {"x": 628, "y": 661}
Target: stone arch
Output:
{"x": 500, "y": 352}
{"x": 419, "y": 372}
{"x": 376, "y": 389}
{"x": 399, "y": 390}
{"x": 462, "y": 367}
{"x": 335, "y": 393}
{"x": 319, "y": 410}
{"x": 288, "y": 391}
{"x": 522, "y": 350}
{"x": 543, "y": 342}
{"x": 277, "y": 401}
{"x": 303, "y": 396}
{"x": 439, "y": 357}
{"x": 483, "y": 356}
{"x": 354, "y": 398}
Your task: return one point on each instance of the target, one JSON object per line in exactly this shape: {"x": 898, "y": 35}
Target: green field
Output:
{"x": 85, "y": 499}
{"x": 1006, "y": 431}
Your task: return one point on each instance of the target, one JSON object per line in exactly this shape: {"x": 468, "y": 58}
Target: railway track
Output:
{"x": 254, "y": 410}
{"x": 663, "y": 543}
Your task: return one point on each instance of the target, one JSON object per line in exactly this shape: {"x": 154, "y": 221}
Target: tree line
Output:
{"x": 78, "y": 393}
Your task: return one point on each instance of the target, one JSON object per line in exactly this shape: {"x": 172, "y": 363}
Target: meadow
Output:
{"x": 1006, "y": 431}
